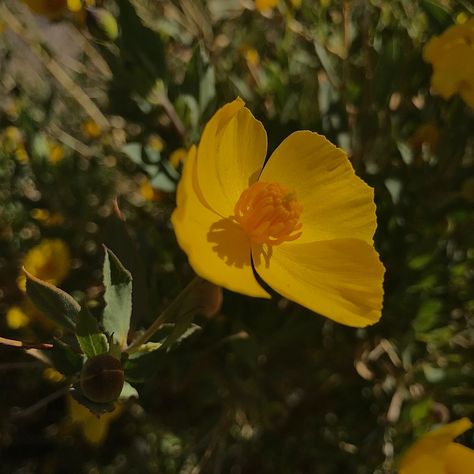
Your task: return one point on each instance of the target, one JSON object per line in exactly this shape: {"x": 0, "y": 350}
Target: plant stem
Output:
{"x": 166, "y": 316}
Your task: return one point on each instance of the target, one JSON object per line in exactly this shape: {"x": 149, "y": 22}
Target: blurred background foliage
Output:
{"x": 101, "y": 99}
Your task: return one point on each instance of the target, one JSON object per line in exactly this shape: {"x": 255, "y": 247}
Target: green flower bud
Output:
{"x": 102, "y": 379}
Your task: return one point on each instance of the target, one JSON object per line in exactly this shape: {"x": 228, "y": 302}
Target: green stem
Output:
{"x": 166, "y": 316}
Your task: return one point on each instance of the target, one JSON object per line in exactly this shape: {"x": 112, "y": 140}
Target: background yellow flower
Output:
{"x": 452, "y": 57}
{"x": 50, "y": 261}
{"x": 437, "y": 453}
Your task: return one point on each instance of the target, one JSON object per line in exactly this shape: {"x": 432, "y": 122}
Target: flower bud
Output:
{"x": 102, "y": 24}
{"x": 102, "y": 379}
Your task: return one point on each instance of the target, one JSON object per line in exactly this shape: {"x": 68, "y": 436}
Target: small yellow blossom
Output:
{"x": 91, "y": 129}
{"x": 47, "y": 218}
{"x": 452, "y": 57}
{"x": 250, "y": 55}
{"x": 303, "y": 220}
{"x": 50, "y": 261}
{"x": 52, "y": 375}
{"x": 156, "y": 142}
{"x": 52, "y": 9}
{"x": 147, "y": 191}
{"x": 56, "y": 152}
{"x": 296, "y": 3}
{"x": 12, "y": 142}
{"x": 16, "y": 318}
{"x": 93, "y": 427}
{"x": 178, "y": 157}
{"x": 436, "y": 453}
{"x": 265, "y": 5}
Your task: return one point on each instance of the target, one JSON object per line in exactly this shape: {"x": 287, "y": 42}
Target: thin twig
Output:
{"x": 41, "y": 403}
{"x": 25, "y": 345}
{"x": 163, "y": 318}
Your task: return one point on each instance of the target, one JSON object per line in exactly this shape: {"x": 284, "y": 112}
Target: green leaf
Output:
{"x": 438, "y": 13}
{"x": 65, "y": 359}
{"x": 128, "y": 391}
{"x": 118, "y": 298}
{"x": 91, "y": 339}
{"x": 56, "y": 304}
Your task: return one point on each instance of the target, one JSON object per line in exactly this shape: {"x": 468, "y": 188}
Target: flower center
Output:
{"x": 269, "y": 213}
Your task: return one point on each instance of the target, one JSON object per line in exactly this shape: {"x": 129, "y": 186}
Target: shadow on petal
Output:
{"x": 230, "y": 243}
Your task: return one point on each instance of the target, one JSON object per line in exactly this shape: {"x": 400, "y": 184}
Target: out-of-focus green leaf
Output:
{"x": 427, "y": 315}
{"x": 55, "y": 303}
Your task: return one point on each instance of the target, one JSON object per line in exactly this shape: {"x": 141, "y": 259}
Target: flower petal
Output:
{"x": 336, "y": 203}
{"x": 340, "y": 279}
{"x": 231, "y": 154}
{"x": 217, "y": 248}
{"x": 430, "y": 453}
{"x": 459, "y": 459}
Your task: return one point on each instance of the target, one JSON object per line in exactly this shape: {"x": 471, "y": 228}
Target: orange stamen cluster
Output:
{"x": 269, "y": 213}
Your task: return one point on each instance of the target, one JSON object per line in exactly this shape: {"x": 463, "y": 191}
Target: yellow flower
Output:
{"x": 50, "y": 261}
{"x": 148, "y": 192}
{"x": 56, "y": 152}
{"x": 52, "y": 9}
{"x": 436, "y": 453}
{"x": 178, "y": 157}
{"x": 250, "y": 55}
{"x": 48, "y": 219}
{"x": 91, "y": 129}
{"x": 265, "y": 5}
{"x": 156, "y": 142}
{"x": 52, "y": 375}
{"x": 17, "y": 318}
{"x": 94, "y": 428}
{"x": 304, "y": 221}
{"x": 452, "y": 57}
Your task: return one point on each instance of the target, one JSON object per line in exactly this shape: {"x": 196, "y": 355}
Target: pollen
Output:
{"x": 269, "y": 213}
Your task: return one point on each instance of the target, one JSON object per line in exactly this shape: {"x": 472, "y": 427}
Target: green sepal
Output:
{"x": 89, "y": 336}
{"x": 95, "y": 408}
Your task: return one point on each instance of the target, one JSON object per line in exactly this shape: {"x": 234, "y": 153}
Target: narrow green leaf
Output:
{"x": 118, "y": 298}
{"x": 91, "y": 339}
{"x": 55, "y": 303}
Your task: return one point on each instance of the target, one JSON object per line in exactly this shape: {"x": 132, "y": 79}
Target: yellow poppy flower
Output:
{"x": 50, "y": 260}
{"x": 93, "y": 427}
{"x": 303, "y": 220}
{"x": 265, "y": 5}
{"x": 452, "y": 57}
{"x": 436, "y": 453}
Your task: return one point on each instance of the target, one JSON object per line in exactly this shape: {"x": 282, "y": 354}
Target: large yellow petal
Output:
{"x": 336, "y": 203}
{"x": 459, "y": 459}
{"x": 231, "y": 154}
{"x": 429, "y": 455}
{"x": 217, "y": 248}
{"x": 340, "y": 279}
